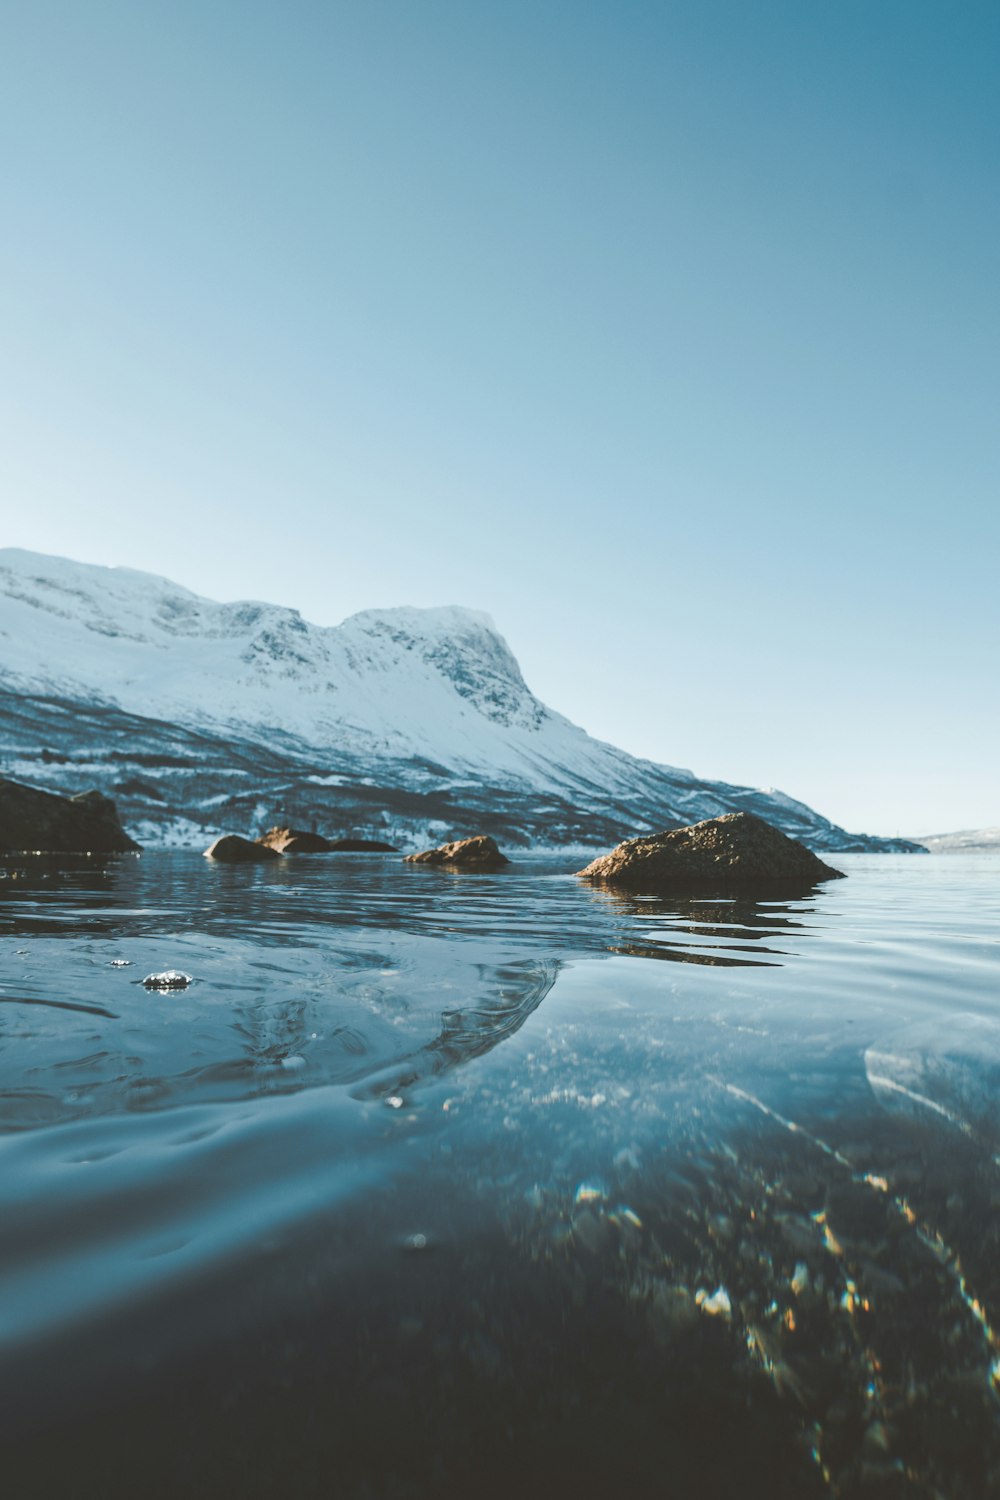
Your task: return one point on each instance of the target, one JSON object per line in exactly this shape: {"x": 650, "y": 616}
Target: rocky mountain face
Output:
{"x": 403, "y": 724}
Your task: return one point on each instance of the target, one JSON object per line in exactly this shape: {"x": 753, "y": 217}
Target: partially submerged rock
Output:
{"x": 297, "y": 841}
{"x": 465, "y": 854}
{"x": 234, "y": 850}
{"x": 294, "y": 841}
{"x": 735, "y": 853}
{"x": 37, "y": 822}
{"x": 361, "y": 846}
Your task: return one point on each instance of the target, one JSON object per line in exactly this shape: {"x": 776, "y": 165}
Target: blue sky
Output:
{"x": 668, "y": 333}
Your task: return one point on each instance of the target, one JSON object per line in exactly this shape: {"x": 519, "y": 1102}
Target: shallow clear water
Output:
{"x": 429, "y": 1182}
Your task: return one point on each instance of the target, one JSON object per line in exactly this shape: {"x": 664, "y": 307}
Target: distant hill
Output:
{"x": 405, "y": 724}
{"x": 969, "y": 841}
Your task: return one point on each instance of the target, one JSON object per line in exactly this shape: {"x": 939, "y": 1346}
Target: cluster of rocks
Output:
{"x": 232, "y": 848}
{"x": 735, "y": 854}
{"x": 465, "y": 854}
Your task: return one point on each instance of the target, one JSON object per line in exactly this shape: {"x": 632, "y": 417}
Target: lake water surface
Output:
{"x": 431, "y": 1184}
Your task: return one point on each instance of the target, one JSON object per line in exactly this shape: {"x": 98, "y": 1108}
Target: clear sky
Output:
{"x": 666, "y": 332}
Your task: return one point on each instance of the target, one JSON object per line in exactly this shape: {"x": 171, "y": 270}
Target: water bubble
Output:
{"x": 415, "y": 1242}
{"x": 394, "y": 1101}
{"x": 170, "y": 979}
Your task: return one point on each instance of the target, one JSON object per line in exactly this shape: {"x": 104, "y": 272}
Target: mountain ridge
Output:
{"x": 412, "y": 721}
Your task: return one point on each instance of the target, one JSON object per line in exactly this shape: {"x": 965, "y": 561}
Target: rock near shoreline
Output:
{"x": 465, "y": 854}
{"x": 298, "y": 841}
{"x": 232, "y": 849}
{"x": 738, "y": 853}
{"x": 37, "y": 822}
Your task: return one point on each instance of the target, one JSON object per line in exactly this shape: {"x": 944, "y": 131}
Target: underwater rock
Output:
{"x": 232, "y": 849}
{"x": 737, "y": 852}
{"x": 46, "y": 823}
{"x": 465, "y": 854}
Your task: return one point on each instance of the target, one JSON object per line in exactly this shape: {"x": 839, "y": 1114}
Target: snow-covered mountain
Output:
{"x": 199, "y": 717}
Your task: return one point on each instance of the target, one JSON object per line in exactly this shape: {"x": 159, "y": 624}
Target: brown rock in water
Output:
{"x": 234, "y": 850}
{"x": 296, "y": 841}
{"x": 37, "y": 822}
{"x": 735, "y": 853}
{"x": 465, "y": 854}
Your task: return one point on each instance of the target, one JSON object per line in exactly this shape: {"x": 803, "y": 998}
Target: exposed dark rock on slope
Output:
{"x": 735, "y": 853}
{"x": 36, "y": 821}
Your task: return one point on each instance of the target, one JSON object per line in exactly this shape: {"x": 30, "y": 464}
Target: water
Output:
{"x": 430, "y": 1184}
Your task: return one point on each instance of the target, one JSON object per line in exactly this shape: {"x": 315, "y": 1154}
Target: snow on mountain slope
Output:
{"x": 421, "y": 700}
{"x": 439, "y": 684}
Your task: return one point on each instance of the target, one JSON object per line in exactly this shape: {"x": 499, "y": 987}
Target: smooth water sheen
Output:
{"x": 434, "y": 1184}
